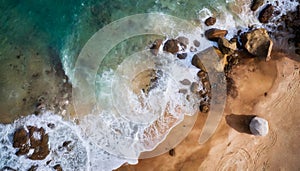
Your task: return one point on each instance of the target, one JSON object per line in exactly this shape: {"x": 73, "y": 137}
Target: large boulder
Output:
{"x": 259, "y": 126}
{"x": 258, "y": 43}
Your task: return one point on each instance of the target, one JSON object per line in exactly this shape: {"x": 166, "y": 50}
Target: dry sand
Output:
{"x": 268, "y": 89}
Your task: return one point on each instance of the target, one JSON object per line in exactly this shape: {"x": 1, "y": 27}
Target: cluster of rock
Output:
{"x": 32, "y": 142}
{"x": 178, "y": 47}
{"x": 289, "y": 22}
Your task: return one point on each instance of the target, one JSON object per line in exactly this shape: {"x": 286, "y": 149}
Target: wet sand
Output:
{"x": 267, "y": 89}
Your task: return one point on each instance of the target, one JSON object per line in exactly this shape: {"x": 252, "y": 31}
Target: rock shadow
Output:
{"x": 239, "y": 122}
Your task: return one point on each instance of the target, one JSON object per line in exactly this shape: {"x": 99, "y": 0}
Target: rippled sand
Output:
{"x": 267, "y": 89}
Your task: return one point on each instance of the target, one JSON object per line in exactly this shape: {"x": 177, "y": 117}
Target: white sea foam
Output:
{"x": 82, "y": 156}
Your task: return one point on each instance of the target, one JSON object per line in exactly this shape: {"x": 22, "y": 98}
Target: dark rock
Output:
{"x": 266, "y": 14}
{"x": 226, "y": 47}
{"x": 34, "y": 139}
{"x": 197, "y": 63}
{"x": 181, "y": 55}
{"x": 172, "y": 152}
{"x": 155, "y": 46}
{"x": 204, "y": 107}
{"x": 21, "y": 138}
{"x": 256, "y": 4}
{"x": 33, "y": 168}
{"x": 202, "y": 75}
{"x": 210, "y": 21}
{"x": 171, "y": 46}
{"x": 58, "y": 167}
{"x": 258, "y": 43}
{"x": 214, "y": 34}
{"x": 196, "y": 43}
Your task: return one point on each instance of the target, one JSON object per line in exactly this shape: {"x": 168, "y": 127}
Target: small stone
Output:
{"x": 183, "y": 41}
{"x": 172, "y": 152}
{"x": 155, "y": 46}
{"x": 58, "y": 167}
{"x": 33, "y": 168}
{"x": 185, "y": 82}
{"x": 183, "y": 91}
{"x": 210, "y": 21}
{"x": 171, "y": 46}
{"x": 202, "y": 75}
{"x": 204, "y": 107}
{"x": 181, "y": 55}
{"x": 259, "y": 126}
{"x": 194, "y": 87}
{"x": 214, "y": 34}
{"x": 196, "y": 43}
{"x": 266, "y": 14}
{"x": 256, "y": 4}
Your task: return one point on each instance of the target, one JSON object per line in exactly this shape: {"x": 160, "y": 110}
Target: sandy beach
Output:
{"x": 267, "y": 89}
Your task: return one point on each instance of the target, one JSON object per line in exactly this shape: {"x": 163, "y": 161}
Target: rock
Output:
{"x": 171, "y": 46}
{"x": 196, "y": 43}
{"x": 183, "y": 41}
{"x": 259, "y": 126}
{"x": 35, "y": 139}
{"x": 266, "y": 14}
{"x": 226, "y": 47}
{"x": 258, "y": 43}
{"x": 181, "y": 55}
{"x": 57, "y": 168}
{"x": 183, "y": 91}
{"x": 210, "y": 21}
{"x": 194, "y": 87}
{"x": 197, "y": 63}
{"x": 256, "y": 4}
{"x": 214, "y": 34}
{"x": 21, "y": 138}
{"x": 172, "y": 152}
{"x": 204, "y": 107}
{"x": 185, "y": 82}
{"x": 155, "y": 46}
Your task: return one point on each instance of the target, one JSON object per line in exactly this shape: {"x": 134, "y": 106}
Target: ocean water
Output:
{"x": 103, "y": 139}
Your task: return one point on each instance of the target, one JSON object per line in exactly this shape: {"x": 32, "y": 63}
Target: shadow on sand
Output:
{"x": 239, "y": 122}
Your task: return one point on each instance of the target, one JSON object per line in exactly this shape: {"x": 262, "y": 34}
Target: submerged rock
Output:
{"x": 258, "y": 43}
{"x": 266, "y": 14}
{"x": 259, "y": 126}
{"x": 256, "y": 4}
{"x": 181, "y": 55}
{"x": 214, "y": 34}
{"x": 183, "y": 42}
{"x": 171, "y": 46}
{"x": 210, "y": 21}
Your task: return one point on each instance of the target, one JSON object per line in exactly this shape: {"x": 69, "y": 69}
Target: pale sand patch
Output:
{"x": 261, "y": 91}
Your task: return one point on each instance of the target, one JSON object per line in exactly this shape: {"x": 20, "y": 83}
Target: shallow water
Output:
{"x": 39, "y": 35}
